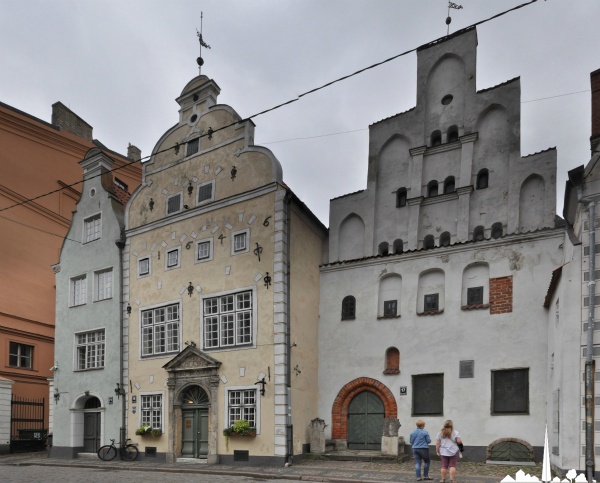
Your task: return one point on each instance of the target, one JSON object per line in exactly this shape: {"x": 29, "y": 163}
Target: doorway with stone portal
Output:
{"x": 194, "y": 433}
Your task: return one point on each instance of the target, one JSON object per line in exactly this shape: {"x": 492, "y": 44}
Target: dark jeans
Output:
{"x": 421, "y": 454}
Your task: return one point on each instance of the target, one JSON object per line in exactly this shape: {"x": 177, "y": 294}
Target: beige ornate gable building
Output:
{"x": 222, "y": 274}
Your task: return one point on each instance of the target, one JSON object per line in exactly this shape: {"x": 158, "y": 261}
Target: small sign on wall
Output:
{"x": 110, "y": 400}
{"x": 403, "y": 391}
{"x": 133, "y": 399}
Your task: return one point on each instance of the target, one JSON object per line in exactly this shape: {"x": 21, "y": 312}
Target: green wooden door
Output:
{"x": 195, "y": 433}
{"x": 365, "y": 422}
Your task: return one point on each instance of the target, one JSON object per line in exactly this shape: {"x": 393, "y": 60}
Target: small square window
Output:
{"x": 431, "y": 302}
{"x": 204, "y": 250}
{"x": 173, "y": 258}
{"x": 20, "y": 355}
{"x": 475, "y": 295}
{"x": 193, "y": 146}
{"x": 143, "y": 266}
{"x": 205, "y": 193}
{"x": 390, "y": 308}
{"x": 240, "y": 242}
{"x": 174, "y": 204}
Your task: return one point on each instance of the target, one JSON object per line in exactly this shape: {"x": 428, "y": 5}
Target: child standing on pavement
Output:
{"x": 419, "y": 439}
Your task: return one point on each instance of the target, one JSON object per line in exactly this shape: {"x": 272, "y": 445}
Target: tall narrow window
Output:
{"x": 174, "y": 204}
{"x": 401, "y": 197}
{"x": 392, "y": 361}
{"x": 205, "y": 193}
{"x": 241, "y": 404}
{"x": 436, "y": 138}
{"x": 93, "y": 228}
{"x": 152, "y": 411}
{"x": 398, "y": 246}
{"x": 172, "y": 258}
{"x": 348, "y": 308}
{"x": 452, "y": 134}
{"x": 104, "y": 284}
{"x": 482, "y": 179}
{"x": 79, "y": 290}
{"x": 383, "y": 249}
{"x": 192, "y": 146}
{"x": 449, "y": 185}
{"x": 428, "y": 242}
{"x": 143, "y": 266}
{"x": 497, "y": 230}
{"x": 478, "y": 233}
{"x": 432, "y": 188}
{"x": 445, "y": 239}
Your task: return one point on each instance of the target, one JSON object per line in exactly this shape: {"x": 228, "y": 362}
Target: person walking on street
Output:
{"x": 420, "y": 440}
{"x": 447, "y": 447}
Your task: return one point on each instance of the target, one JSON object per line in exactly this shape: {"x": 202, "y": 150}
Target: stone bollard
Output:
{"x": 317, "y": 436}
{"x": 389, "y": 440}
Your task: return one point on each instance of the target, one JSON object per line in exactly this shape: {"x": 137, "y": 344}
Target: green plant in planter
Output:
{"x": 143, "y": 429}
{"x": 156, "y": 433}
{"x": 241, "y": 427}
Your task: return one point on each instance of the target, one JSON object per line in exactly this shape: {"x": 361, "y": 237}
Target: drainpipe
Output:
{"x": 121, "y": 245}
{"x": 289, "y": 457}
{"x": 589, "y": 363}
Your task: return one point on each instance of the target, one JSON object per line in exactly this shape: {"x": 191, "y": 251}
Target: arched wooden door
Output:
{"x": 365, "y": 421}
{"x": 194, "y": 406}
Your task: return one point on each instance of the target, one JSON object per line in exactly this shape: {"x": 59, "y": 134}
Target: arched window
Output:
{"x": 432, "y": 188}
{"x": 497, "y": 230}
{"x": 445, "y": 239}
{"x": 478, "y": 234}
{"x": 436, "y": 138}
{"x": 401, "y": 197}
{"x": 398, "y": 246}
{"x": 452, "y": 134}
{"x": 392, "y": 361}
{"x": 449, "y": 185}
{"x": 348, "y": 308}
{"x": 384, "y": 248}
{"x": 428, "y": 242}
{"x": 482, "y": 179}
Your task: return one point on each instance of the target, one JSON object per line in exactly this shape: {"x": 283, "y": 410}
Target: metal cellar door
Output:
{"x": 365, "y": 422}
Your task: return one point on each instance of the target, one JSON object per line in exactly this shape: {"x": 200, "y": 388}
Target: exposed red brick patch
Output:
{"x": 501, "y": 295}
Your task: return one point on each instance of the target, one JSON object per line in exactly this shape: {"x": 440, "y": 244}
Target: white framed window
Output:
{"x": 152, "y": 413}
{"x": 206, "y": 192}
{"x": 78, "y": 290}
{"x": 90, "y": 350}
{"x": 20, "y": 355}
{"x": 161, "y": 329}
{"x": 174, "y": 203}
{"x": 240, "y": 242}
{"x": 143, "y": 266}
{"x": 204, "y": 250}
{"x": 243, "y": 402}
{"x": 173, "y": 258}
{"x": 92, "y": 228}
{"x": 228, "y": 320}
{"x": 104, "y": 284}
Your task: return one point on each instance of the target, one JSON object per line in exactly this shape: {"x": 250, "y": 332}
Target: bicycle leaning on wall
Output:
{"x": 127, "y": 451}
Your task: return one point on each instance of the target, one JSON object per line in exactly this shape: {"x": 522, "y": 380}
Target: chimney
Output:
{"x": 595, "y": 84}
{"x": 66, "y": 119}
{"x": 134, "y": 153}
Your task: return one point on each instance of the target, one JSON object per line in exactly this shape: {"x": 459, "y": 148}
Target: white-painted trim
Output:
{"x": 170, "y": 250}
{"x": 242, "y": 388}
{"x": 146, "y": 257}
{"x": 163, "y": 404}
{"x": 71, "y": 291}
{"x": 233, "y": 235}
{"x": 180, "y": 330}
{"x": 83, "y": 235}
{"x": 95, "y": 284}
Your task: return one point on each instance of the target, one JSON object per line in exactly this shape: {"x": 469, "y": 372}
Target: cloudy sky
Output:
{"x": 120, "y": 64}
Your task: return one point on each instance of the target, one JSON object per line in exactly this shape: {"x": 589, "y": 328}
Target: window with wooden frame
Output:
{"x": 431, "y": 302}
{"x": 348, "y": 308}
{"x": 390, "y": 308}
{"x": 20, "y": 355}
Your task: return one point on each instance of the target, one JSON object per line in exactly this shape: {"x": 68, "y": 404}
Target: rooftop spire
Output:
{"x": 200, "y": 60}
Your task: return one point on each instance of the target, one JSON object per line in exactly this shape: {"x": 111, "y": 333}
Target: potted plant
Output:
{"x": 143, "y": 430}
{"x": 156, "y": 433}
{"x": 241, "y": 427}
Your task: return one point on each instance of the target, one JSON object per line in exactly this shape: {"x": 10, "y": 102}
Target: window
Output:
{"x": 452, "y": 134}
{"x": 104, "y": 284}
{"x": 428, "y": 395}
{"x": 20, "y": 355}
{"x": 497, "y": 230}
{"x": 428, "y": 242}
{"x": 449, "y": 185}
{"x": 143, "y": 266}
{"x": 383, "y": 249}
{"x": 510, "y": 391}
{"x": 445, "y": 239}
{"x": 241, "y": 404}
{"x": 160, "y": 330}
{"x": 392, "y": 361}
{"x": 475, "y": 295}
{"x": 204, "y": 250}
{"x": 90, "y": 350}
{"x": 79, "y": 290}
{"x": 174, "y": 204}
{"x": 93, "y": 228}
{"x": 482, "y": 179}
{"x": 205, "y": 192}
{"x": 192, "y": 146}
{"x": 431, "y": 302}
{"x": 390, "y": 308}
{"x": 401, "y": 198}
{"x": 436, "y": 138}
{"x": 478, "y": 233}
{"x": 152, "y": 411}
{"x": 398, "y": 246}
{"x": 228, "y": 320}
{"x": 432, "y": 188}
{"x": 240, "y": 242}
{"x": 348, "y": 308}
{"x": 172, "y": 258}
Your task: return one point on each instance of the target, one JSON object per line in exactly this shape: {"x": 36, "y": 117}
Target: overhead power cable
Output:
{"x": 291, "y": 101}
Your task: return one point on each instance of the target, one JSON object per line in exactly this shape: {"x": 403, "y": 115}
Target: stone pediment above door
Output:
{"x": 192, "y": 359}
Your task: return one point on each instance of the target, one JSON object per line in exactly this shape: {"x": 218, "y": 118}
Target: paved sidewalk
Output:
{"x": 305, "y": 470}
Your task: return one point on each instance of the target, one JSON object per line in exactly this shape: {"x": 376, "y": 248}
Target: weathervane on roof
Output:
{"x": 200, "y": 60}
{"x": 448, "y": 18}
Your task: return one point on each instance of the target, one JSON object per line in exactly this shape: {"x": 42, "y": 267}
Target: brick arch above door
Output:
{"x": 339, "y": 410}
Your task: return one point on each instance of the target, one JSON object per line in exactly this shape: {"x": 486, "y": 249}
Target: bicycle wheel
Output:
{"x": 107, "y": 452}
{"x": 129, "y": 452}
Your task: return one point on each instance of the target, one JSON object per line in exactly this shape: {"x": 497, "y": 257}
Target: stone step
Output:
{"x": 373, "y": 456}
{"x": 88, "y": 456}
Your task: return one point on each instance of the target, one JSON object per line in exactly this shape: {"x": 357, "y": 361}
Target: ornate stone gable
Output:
{"x": 192, "y": 359}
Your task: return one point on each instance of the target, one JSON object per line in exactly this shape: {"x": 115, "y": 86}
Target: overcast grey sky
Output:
{"x": 120, "y": 64}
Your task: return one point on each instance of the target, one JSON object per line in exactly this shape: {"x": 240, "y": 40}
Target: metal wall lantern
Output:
{"x": 151, "y": 204}
{"x": 119, "y": 391}
{"x": 190, "y": 289}
{"x": 56, "y": 395}
{"x": 262, "y": 383}
{"x": 128, "y": 309}
{"x": 190, "y": 188}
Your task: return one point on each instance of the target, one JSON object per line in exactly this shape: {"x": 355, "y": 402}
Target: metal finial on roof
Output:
{"x": 448, "y": 18}
{"x": 200, "y": 60}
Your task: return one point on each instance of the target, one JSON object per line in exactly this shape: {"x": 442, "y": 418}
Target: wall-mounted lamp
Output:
{"x": 267, "y": 279}
{"x": 233, "y": 172}
{"x": 210, "y": 132}
{"x": 151, "y": 204}
{"x": 190, "y": 289}
{"x": 190, "y": 188}
{"x": 56, "y": 395}
{"x": 262, "y": 384}
{"x": 119, "y": 391}
{"x": 128, "y": 309}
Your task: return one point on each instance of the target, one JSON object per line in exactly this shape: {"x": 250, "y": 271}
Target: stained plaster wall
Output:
{"x": 84, "y": 259}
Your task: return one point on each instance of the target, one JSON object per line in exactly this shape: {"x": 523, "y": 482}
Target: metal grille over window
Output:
{"x": 228, "y": 320}
{"x": 510, "y": 391}
{"x": 160, "y": 330}
{"x": 193, "y": 146}
{"x": 205, "y": 192}
{"x": 92, "y": 228}
{"x": 428, "y": 394}
{"x": 152, "y": 411}
{"x": 20, "y": 355}
{"x": 242, "y": 405}
{"x": 174, "y": 204}
{"x": 90, "y": 350}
